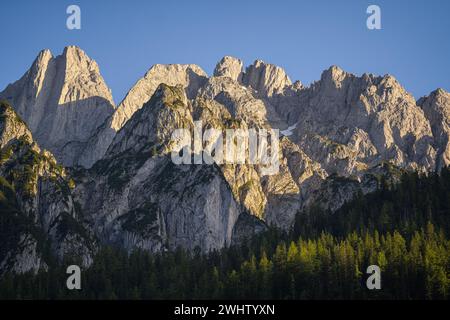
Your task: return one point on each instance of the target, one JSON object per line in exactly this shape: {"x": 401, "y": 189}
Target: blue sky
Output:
{"x": 303, "y": 37}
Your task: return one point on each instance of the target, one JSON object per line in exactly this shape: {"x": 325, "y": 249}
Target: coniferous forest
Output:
{"x": 402, "y": 228}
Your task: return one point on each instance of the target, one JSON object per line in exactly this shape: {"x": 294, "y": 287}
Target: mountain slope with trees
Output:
{"x": 404, "y": 229}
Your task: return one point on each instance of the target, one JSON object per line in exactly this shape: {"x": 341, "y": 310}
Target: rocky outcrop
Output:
{"x": 190, "y": 77}
{"x": 153, "y": 125}
{"x": 39, "y": 218}
{"x": 266, "y": 79}
{"x": 349, "y": 123}
{"x": 436, "y": 107}
{"x": 138, "y": 198}
{"x": 238, "y": 100}
{"x": 63, "y": 100}
{"x": 12, "y": 126}
{"x": 229, "y": 67}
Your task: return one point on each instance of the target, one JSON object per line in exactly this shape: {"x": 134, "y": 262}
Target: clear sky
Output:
{"x": 303, "y": 37}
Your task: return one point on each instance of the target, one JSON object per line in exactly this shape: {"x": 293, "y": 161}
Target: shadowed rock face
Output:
{"x": 39, "y": 220}
{"x": 436, "y": 107}
{"x": 63, "y": 100}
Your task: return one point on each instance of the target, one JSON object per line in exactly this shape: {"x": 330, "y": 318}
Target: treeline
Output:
{"x": 407, "y": 206}
{"x": 404, "y": 229}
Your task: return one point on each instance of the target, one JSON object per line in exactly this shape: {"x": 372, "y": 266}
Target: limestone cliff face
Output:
{"x": 436, "y": 107}
{"x": 39, "y": 218}
{"x": 266, "y": 79}
{"x": 224, "y": 103}
{"x": 138, "y": 198}
{"x": 350, "y": 123}
{"x": 338, "y": 136}
{"x": 153, "y": 125}
{"x": 229, "y": 67}
{"x": 190, "y": 77}
{"x": 63, "y": 100}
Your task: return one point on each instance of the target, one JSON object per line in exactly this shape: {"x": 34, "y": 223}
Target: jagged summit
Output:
{"x": 229, "y": 67}
{"x": 69, "y": 109}
{"x": 266, "y": 78}
{"x": 436, "y": 107}
{"x": 439, "y": 92}
{"x": 11, "y": 126}
{"x": 153, "y": 124}
{"x": 36, "y": 206}
{"x": 333, "y": 72}
{"x": 190, "y": 76}
{"x": 130, "y": 192}
{"x": 63, "y": 100}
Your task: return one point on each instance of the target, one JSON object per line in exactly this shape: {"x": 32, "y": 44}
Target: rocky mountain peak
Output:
{"x": 170, "y": 95}
{"x": 266, "y": 78}
{"x": 63, "y": 100}
{"x": 75, "y": 53}
{"x": 190, "y": 76}
{"x": 364, "y": 118}
{"x": 436, "y": 107}
{"x": 334, "y": 73}
{"x": 229, "y": 67}
{"x": 82, "y": 77}
{"x": 41, "y": 62}
{"x": 11, "y": 126}
{"x": 439, "y": 95}
{"x": 153, "y": 124}
{"x": 333, "y": 78}
{"x": 335, "y": 133}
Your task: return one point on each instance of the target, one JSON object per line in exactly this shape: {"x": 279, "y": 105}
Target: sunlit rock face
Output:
{"x": 63, "y": 100}
{"x": 349, "y": 123}
{"x": 436, "y": 107}
{"x": 190, "y": 77}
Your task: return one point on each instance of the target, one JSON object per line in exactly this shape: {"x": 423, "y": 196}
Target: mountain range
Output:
{"x": 78, "y": 171}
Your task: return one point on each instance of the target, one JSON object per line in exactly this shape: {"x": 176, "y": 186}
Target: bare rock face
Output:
{"x": 153, "y": 125}
{"x": 138, "y": 198}
{"x": 350, "y": 123}
{"x": 436, "y": 107}
{"x": 266, "y": 79}
{"x": 238, "y": 100}
{"x": 223, "y": 103}
{"x": 190, "y": 77}
{"x": 63, "y": 100}
{"x": 12, "y": 126}
{"x": 336, "y": 190}
{"x": 37, "y": 209}
{"x": 229, "y": 67}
